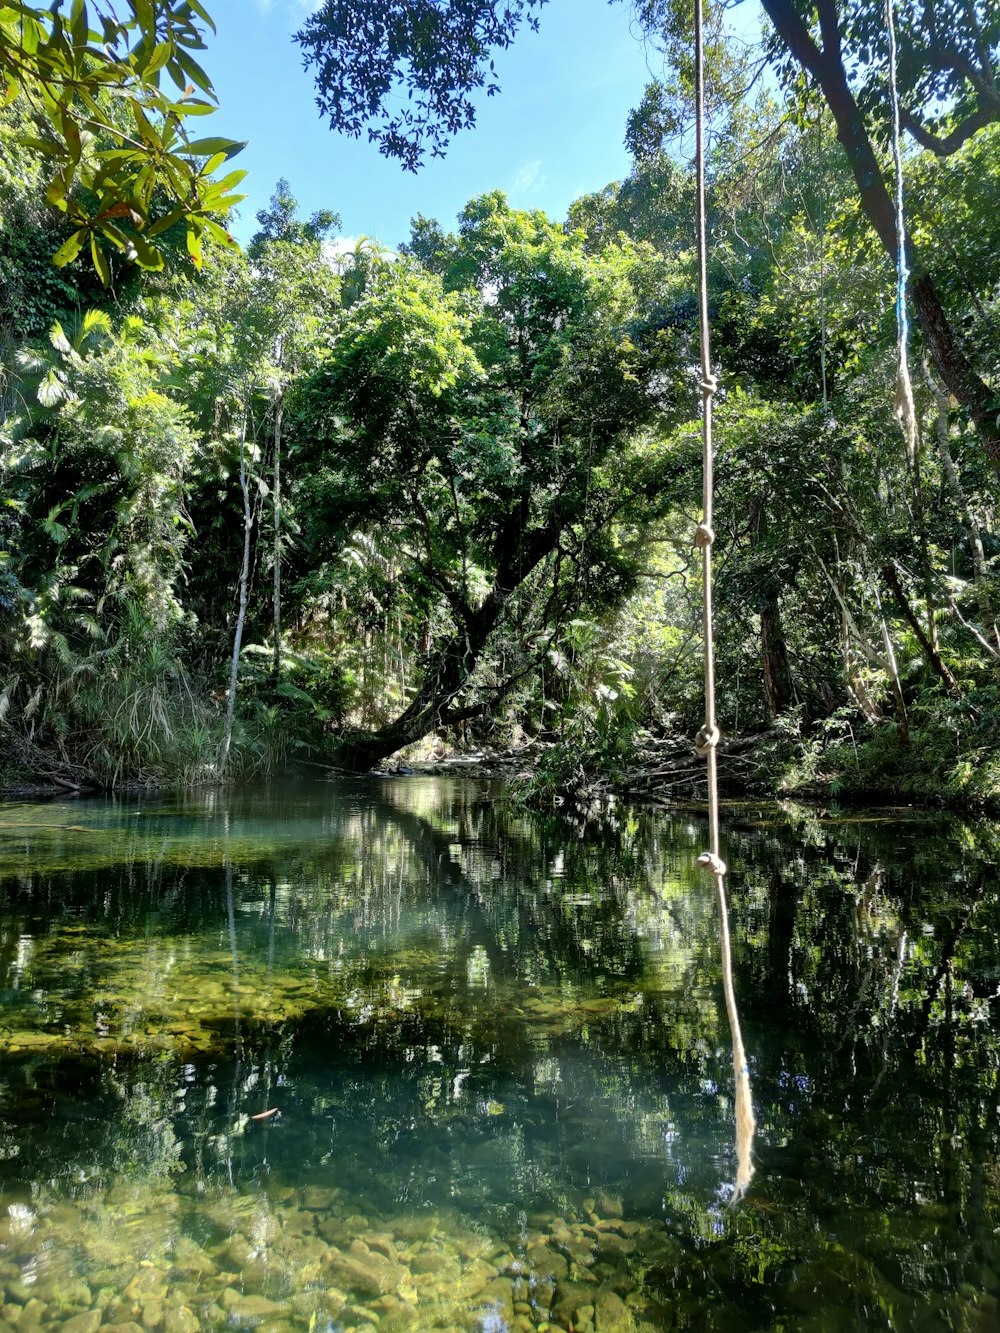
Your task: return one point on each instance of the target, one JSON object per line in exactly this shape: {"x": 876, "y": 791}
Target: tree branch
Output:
{"x": 951, "y": 143}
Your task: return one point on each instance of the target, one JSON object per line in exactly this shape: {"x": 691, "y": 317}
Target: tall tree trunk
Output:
{"x": 276, "y": 594}
{"x": 826, "y": 66}
{"x": 893, "y": 669}
{"x": 774, "y": 658}
{"x": 242, "y": 613}
{"x": 850, "y": 633}
{"x": 923, "y": 546}
{"x": 855, "y": 682}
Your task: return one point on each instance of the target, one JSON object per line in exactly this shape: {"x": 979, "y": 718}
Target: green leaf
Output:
{"x": 146, "y": 131}
{"x": 219, "y": 233}
{"x": 162, "y": 52}
{"x": 146, "y": 255}
{"x": 97, "y": 319}
{"x": 41, "y": 146}
{"x": 69, "y": 249}
{"x": 58, "y": 188}
{"x": 191, "y": 107}
{"x": 209, "y": 147}
{"x": 100, "y": 261}
{"x": 58, "y": 339}
{"x": 52, "y": 529}
{"x": 201, "y": 11}
{"x": 144, "y": 13}
{"x": 166, "y": 222}
{"x": 194, "y": 244}
{"x": 79, "y": 24}
{"x": 229, "y": 182}
{"x": 51, "y": 390}
{"x": 213, "y": 164}
{"x": 194, "y": 72}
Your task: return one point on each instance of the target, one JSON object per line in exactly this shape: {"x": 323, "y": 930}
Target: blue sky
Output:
{"x": 553, "y": 133}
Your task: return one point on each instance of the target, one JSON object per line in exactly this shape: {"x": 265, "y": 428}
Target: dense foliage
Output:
{"x": 308, "y": 507}
{"x": 120, "y": 161}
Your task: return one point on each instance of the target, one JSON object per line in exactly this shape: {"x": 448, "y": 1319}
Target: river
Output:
{"x": 394, "y": 1053}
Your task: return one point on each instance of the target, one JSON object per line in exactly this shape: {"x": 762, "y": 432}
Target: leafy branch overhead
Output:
{"x": 126, "y": 166}
{"x": 365, "y": 52}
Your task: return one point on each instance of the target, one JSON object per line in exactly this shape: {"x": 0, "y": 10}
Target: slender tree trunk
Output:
{"x": 855, "y": 684}
{"x": 890, "y": 653}
{"x": 920, "y": 523}
{"x": 927, "y": 645}
{"x": 893, "y": 669}
{"x": 276, "y": 595}
{"x": 242, "y": 613}
{"x": 849, "y": 630}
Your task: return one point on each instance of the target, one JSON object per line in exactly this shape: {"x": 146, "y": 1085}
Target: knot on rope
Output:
{"x": 704, "y": 536}
{"x": 709, "y": 861}
{"x": 709, "y": 384}
{"x": 707, "y": 739}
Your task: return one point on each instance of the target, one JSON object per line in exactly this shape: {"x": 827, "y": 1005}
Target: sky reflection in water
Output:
{"x": 496, "y": 1052}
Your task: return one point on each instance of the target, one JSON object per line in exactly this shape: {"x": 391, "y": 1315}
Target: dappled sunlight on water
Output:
{"x": 390, "y": 1053}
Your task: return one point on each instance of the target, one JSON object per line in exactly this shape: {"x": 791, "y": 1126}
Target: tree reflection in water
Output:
{"x": 497, "y": 1049}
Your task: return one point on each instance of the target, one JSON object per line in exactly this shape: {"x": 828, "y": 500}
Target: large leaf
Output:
{"x": 69, "y": 249}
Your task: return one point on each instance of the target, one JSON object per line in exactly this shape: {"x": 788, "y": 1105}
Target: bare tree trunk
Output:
{"x": 855, "y": 683}
{"x": 893, "y": 669}
{"x": 920, "y": 523}
{"x": 849, "y": 627}
{"x": 276, "y": 596}
{"x": 242, "y": 613}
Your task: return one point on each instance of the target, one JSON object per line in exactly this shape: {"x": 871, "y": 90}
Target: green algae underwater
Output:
{"x": 392, "y": 1054}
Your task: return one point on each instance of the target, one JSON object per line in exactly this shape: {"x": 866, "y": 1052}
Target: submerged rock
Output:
{"x": 612, "y": 1315}
{"x": 361, "y": 1271}
{"x": 83, "y": 1323}
{"x": 180, "y": 1320}
{"x": 249, "y": 1307}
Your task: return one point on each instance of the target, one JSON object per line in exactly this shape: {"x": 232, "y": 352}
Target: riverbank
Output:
{"x": 929, "y": 767}
{"x": 926, "y": 768}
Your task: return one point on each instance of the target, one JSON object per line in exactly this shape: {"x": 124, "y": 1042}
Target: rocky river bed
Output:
{"x": 305, "y": 1259}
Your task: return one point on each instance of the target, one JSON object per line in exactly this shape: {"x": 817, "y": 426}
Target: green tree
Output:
{"x": 949, "y": 61}
{"x": 125, "y": 167}
{"x": 238, "y": 335}
{"x": 364, "y": 52}
{"x": 491, "y": 421}
{"x": 294, "y": 288}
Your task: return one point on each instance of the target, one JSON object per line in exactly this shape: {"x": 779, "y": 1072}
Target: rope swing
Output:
{"x": 904, "y": 409}
{"x": 707, "y": 739}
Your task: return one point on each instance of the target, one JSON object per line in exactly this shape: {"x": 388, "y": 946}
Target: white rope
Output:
{"x": 708, "y": 737}
{"x": 904, "y": 409}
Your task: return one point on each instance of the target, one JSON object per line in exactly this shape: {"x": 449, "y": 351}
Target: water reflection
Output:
{"x": 746, "y": 1122}
{"x": 498, "y": 1060}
